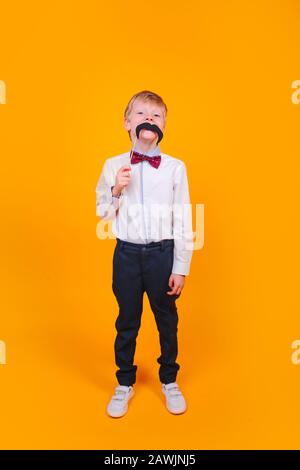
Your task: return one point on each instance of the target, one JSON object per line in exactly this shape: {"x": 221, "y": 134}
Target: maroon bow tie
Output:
{"x": 139, "y": 157}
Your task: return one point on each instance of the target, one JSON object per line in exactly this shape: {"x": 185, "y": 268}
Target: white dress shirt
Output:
{"x": 154, "y": 206}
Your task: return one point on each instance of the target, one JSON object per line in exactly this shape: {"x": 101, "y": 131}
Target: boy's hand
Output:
{"x": 122, "y": 179}
{"x": 176, "y": 282}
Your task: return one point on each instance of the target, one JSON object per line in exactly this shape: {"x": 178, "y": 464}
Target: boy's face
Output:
{"x": 145, "y": 111}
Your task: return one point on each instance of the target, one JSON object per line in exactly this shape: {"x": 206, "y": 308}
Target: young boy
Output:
{"x": 145, "y": 193}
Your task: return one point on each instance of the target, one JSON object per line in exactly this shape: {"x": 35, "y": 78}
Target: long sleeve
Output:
{"x": 182, "y": 223}
{"x": 106, "y": 205}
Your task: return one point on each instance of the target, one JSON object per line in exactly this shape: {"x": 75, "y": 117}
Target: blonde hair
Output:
{"x": 145, "y": 95}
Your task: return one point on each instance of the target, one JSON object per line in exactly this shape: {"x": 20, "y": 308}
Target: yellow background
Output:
{"x": 225, "y": 70}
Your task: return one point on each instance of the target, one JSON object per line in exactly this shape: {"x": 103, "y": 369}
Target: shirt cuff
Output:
{"x": 115, "y": 199}
{"x": 179, "y": 267}
{"x": 115, "y": 202}
{"x": 108, "y": 210}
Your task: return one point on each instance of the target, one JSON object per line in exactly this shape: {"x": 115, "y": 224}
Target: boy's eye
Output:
{"x": 141, "y": 112}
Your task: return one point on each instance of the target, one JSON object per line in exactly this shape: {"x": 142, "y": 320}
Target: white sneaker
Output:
{"x": 175, "y": 401}
{"x": 118, "y": 405}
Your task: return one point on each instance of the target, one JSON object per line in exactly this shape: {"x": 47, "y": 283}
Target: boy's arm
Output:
{"x": 182, "y": 223}
{"x": 106, "y": 205}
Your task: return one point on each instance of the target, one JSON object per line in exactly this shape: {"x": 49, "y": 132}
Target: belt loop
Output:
{"x": 162, "y": 245}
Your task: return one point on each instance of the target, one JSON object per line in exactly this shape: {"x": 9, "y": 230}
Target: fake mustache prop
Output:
{"x": 149, "y": 127}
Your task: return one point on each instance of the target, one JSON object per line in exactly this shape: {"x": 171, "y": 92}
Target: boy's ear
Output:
{"x": 127, "y": 125}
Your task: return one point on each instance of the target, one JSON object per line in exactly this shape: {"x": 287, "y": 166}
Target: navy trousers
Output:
{"x": 139, "y": 268}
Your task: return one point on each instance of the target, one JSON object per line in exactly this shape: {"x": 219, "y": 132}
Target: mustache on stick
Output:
{"x": 149, "y": 127}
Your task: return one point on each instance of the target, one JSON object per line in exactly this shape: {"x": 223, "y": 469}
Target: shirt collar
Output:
{"x": 150, "y": 153}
